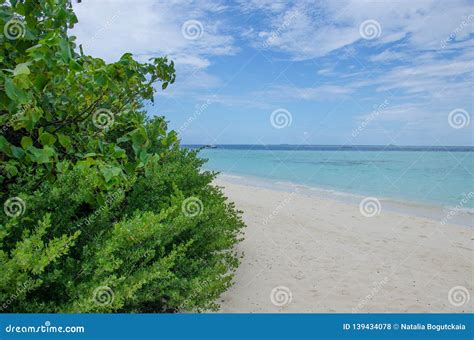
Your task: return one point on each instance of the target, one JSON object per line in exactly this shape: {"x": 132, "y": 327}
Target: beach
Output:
{"x": 304, "y": 253}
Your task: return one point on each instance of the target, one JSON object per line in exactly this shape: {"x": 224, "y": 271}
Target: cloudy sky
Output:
{"x": 302, "y": 72}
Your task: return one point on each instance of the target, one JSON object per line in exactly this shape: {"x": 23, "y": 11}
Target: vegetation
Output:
{"x": 104, "y": 212}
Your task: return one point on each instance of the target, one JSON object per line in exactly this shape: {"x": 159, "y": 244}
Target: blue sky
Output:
{"x": 302, "y": 72}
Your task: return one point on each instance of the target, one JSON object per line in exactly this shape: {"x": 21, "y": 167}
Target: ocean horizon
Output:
{"x": 333, "y": 147}
{"x": 436, "y": 176}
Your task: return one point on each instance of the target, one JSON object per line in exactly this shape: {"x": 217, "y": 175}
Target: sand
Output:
{"x": 304, "y": 253}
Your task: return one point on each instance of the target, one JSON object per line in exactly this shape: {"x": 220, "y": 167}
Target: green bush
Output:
{"x": 104, "y": 212}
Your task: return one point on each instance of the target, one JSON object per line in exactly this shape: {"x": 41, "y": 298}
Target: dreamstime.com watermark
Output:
{"x": 103, "y": 118}
{"x": 368, "y": 119}
{"x": 200, "y": 109}
{"x": 281, "y": 118}
{"x": 14, "y": 29}
{"x": 109, "y": 200}
{"x": 14, "y": 207}
{"x": 465, "y": 23}
{"x": 192, "y": 206}
{"x": 459, "y": 118}
{"x": 370, "y": 207}
{"x": 192, "y": 29}
{"x": 280, "y": 207}
{"x": 377, "y": 287}
{"x": 273, "y": 36}
{"x": 454, "y": 211}
{"x": 458, "y": 296}
{"x": 281, "y": 296}
{"x": 103, "y": 296}
{"x": 201, "y": 287}
{"x": 370, "y": 29}
{"x": 15, "y": 118}
{"x": 46, "y": 328}
{"x": 24, "y": 288}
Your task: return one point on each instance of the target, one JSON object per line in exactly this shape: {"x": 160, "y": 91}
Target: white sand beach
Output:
{"x": 325, "y": 256}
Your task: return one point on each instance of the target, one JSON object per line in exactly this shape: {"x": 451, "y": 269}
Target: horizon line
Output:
{"x": 347, "y": 145}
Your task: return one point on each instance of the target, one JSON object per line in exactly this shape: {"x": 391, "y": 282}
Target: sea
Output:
{"x": 431, "y": 181}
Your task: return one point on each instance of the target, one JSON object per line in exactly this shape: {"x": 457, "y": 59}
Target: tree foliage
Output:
{"x": 103, "y": 209}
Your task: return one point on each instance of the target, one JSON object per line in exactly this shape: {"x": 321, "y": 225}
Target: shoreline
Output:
{"x": 308, "y": 254}
{"x": 438, "y": 213}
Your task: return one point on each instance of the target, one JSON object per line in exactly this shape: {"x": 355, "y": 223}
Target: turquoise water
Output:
{"x": 441, "y": 178}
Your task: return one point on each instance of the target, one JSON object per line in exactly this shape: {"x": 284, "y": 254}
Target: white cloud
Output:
{"x": 326, "y": 71}
{"x": 147, "y": 28}
{"x": 326, "y": 26}
{"x": 435, "y": 76}
{"x": 110, "y": 28}
{"x": 387, "y": 56}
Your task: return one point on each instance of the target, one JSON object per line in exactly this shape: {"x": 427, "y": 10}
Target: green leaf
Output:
{"x": 75, "y": 66}
{"x": 62, "y": 166}
{"x": 119, "y": 152}
{"x": 17, "y": 152}
{"x": 26, "y": 142}
{"x": 65, "y": 141}
{"x": 123, "y": 139}
{"x": 100, "y": 79}
{"x": 11, "y": 169}
{"x": 21, "y": 69}
{"x": 47, "y": 139}
{"x": 42, "y": 156}
{"x": 110, "y": 172}
{"x": 65, "y": 50}
{"x": 143, "y": 156}
{"x": 14, "y": 92}
{"x": 32, "y": 117}
{"x": 139, "y": 139}
{"x": 5, "y": 146}
{"x": 85, "y": 164}
{"x": 32, "y": 48}
{"x": 10, "y": 89}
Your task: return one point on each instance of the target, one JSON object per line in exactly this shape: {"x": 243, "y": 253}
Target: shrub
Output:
{"x": 104, "y": 212}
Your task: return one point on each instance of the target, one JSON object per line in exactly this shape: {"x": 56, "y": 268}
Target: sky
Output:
{"x": 300, "y": 72}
